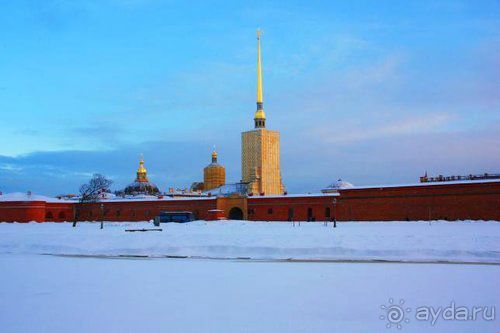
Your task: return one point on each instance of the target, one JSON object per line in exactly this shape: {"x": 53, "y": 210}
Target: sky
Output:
{"x": 373, "y": 92}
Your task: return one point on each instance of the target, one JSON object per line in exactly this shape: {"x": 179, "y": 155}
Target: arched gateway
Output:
{"x": 235, "y": 213}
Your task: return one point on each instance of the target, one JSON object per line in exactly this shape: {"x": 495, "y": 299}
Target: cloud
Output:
{"x": 348, "y": 134}
{"x": 170, "y": 164}
{"x": 307, "y": 166}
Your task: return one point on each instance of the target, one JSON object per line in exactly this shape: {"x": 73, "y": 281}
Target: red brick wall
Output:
{"x": 474, "y": 201}
{"x": 141, "y": 210}
{"x": 39, "y": 211}
{"x": 59, "y": 212}
{"x": 22, "y": 211}
{"x": 277, "y": 208}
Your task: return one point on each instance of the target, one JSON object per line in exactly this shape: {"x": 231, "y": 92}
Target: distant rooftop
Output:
{"x": 27, "y": 196}
{"x": 429, "y": 183}
{"x": 441, "y": 178}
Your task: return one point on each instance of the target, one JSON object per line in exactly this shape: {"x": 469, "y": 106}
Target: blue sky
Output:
{"x": 374, "y": 92}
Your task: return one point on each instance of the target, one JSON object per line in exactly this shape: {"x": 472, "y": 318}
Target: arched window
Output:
{"x": 61, "y": 215}
{"x": 327, "y": 213}
{"x": 49, "y": 216}
{"x": 309, "y": 214}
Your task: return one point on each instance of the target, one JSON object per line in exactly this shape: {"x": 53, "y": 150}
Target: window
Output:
{"x": 49, "y": 216}
{"x": 291, "y": 213}
{"x": 62, "y": 215}
{"x": 327, "y": 212}
{"x": 251, "y": 211}
{"x": 270, "y": 211}
{"x": 118, "y": 213}
{"x": 309, "y": 214}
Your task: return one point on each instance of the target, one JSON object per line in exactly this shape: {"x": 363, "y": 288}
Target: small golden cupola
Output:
{"x": 214, "y": 174}
{"x": 141, "y": 185}
{"x": 142, "y": 173}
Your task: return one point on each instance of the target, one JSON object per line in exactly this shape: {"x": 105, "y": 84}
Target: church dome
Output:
{"x": 136, "y": 188}
{"x": 214, "y": 174}
{"x": 339, "y": 184}
{"x": 141, "y": 185}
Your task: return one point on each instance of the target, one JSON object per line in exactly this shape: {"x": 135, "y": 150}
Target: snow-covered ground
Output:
{"x": 405, "y": 241}
{"x": 97, "y": 291}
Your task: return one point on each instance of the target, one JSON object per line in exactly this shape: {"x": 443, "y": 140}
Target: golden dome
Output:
{"x": 214, "y": 174}
{"x": 142, "y": 172}
{"x": 141, "y": 169}
{"x": 259, "y": 114}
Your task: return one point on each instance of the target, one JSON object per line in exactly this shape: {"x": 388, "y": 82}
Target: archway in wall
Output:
{"x": 235, "y": 213}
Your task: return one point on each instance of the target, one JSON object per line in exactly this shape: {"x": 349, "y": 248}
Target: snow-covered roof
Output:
{"x": 339, "y": 184}
{"x": 24, "y": 196}
{"x": 227, "y": 189}
{"x": 298, "y": 195}
{"x": 155, "y": 198}
{"x": 428, "y": 184}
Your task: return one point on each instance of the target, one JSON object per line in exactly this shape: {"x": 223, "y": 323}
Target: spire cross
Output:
{"x": 214, "y": 156}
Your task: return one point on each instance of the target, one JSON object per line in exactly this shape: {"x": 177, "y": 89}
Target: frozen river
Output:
{"x": 42, "y": 293}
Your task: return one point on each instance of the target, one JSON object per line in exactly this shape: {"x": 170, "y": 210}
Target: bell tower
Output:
{"x": 260, "y": 147}
{"x": 214, "y": 174}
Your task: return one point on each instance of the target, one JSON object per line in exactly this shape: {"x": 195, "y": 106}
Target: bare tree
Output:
{"x": 92, "y": 191}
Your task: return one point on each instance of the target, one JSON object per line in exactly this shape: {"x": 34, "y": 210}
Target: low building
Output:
{"x": 460, "y": 200}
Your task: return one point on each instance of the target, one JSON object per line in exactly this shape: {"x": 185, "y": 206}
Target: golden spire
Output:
{"x": 260, "y": 116}
{"x": 259, "y": 69}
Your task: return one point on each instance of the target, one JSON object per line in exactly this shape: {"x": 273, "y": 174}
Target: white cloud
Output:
{"x": 412, "y": 125}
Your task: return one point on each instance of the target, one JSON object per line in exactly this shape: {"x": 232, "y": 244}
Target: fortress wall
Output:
{"x": 282, "y": 208}
{"x": 22, "y": 211}
{"x": 141, "y": 210}
{"x": 466, "y": 201}
{"x": 473, "y": 201}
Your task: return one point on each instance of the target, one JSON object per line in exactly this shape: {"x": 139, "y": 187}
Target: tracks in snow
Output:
{"x": 274, "y": 260}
